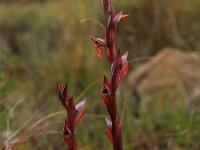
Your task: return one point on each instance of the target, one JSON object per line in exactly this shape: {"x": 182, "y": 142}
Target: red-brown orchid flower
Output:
{"x": 98, "y": 44}
{"x": 106, "y": 96}
{"x": 119, "y": 69}
{"x": 109, "y": 132}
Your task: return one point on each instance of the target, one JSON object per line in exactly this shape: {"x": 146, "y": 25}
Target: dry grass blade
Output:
{"x": 87, "y": 88}
{"x": 46, "y": 118}
{"x": 13, "y": 135}
{"x": 95, "y": 21}
{"x": 25, "y": 138}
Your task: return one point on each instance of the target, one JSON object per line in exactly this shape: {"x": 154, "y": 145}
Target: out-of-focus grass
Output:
{"x": 156, "y": 24}
{"x": 49, "y": 44}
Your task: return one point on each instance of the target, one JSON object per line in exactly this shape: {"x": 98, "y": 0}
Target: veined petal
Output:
{"x": 80, "y": 105}
{"x": 117, "y": 18}
{"x": 120, "y": 16}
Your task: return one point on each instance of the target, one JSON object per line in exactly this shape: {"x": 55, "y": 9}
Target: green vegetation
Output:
{"x": 43, "y": 42}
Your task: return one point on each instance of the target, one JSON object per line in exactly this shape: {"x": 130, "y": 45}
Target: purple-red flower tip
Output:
{"x": 63, "y": 94}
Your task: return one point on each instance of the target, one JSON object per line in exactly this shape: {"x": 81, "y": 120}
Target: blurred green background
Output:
{"x": 46, "y": 41}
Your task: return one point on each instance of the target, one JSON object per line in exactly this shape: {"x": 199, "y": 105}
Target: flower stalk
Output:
{"x": 119, "y": 69}
{"x": 74, "y": 114}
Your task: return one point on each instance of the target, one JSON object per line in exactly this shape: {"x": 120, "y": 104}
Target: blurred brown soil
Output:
{"x": 169, "y": 69}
